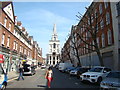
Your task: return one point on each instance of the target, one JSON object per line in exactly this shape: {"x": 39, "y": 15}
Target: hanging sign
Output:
{"x": 1, "y": 58}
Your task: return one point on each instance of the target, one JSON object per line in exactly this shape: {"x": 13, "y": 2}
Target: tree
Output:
{"x": 90, "y": 24}
{"x": 74, "y": 46}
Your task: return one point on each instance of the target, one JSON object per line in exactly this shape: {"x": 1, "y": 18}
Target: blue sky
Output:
{"x": 39, "y": 17}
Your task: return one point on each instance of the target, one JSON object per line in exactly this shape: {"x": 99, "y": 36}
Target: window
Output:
{"x": 103, "y": 40}
{"x": 98, "y": 41}
{"x": 50, "y": 57}
{"x": 95, "y": 14}
{"x": 54, "y": 45}
{"x": 24, "y": 51}
{"x": 5, "y": 21}
{"x": 106, "y": 4}
{"x": 20, "y": 48}
{"x": 55, "y": 38}
{"x": 3, "y": 39}
{"x": 57, "y": 57}
{"x": 53, "y": 58}
{"x": 102, "y": 24}
{"x": 96, "y": 27}
{"x": 14, "y": 44}
{"x": 93, "y": 44}
{"x": 86, "y": 35}
{"x": 88, "y": 21}
{"x": 118, "y": 8}
{"x": 107, "y": 69}
{"x": 107, "y": 18}
{"x": 119, "y": 30}
{"x": 58, "y": 50}
{"x": 87, "y": 48}
{"x": 92, "y": 19}
{"x": 109, "y": 37}
{"x": 8, "y": 42}
{"x": 9, "y": 27}
{"x": 100, "y": 8}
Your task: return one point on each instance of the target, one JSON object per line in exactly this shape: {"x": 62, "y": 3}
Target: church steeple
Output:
{"x": 54, "y": 35}
{"x": 53, "y": 55}
{"x": 54, "y": 30}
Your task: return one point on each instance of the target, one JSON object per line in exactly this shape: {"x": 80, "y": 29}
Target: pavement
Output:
{"x": 14, "y": 75}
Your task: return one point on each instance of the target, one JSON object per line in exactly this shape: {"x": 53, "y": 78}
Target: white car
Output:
{"x": 43, "y": 66}
{"x": 95, "y": 75}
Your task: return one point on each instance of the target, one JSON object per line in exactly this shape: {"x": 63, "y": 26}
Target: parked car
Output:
{"x": 112, "y": 81}
{"x": 74, "y": 71}
{"x": 43, "y": 66}
{"x": 82, "y": 70}
{"x": 69, "y": 69}
{"x": 64, "y": 70}
{"x": 56, "y": 66}
{"x": 28, "y": 69}
{"x": 95, "y": 75}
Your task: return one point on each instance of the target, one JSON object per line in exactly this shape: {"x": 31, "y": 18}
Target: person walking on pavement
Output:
{"x": 20, "y": 72}
{"x": 49, "y": 76}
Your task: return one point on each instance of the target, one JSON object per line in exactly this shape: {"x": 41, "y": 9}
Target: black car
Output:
{"x": 28, "y": 69}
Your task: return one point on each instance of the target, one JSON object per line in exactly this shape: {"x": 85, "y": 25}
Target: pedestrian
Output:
{"x": 49, "y": 76}
{"x": 20, "y": 72}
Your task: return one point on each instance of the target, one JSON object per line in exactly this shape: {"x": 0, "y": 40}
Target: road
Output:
{"x": 34, "y": 81}
{"x": 60, "y": 80}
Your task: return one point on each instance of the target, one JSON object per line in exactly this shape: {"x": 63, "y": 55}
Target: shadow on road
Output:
{"x": 41, "y": 86}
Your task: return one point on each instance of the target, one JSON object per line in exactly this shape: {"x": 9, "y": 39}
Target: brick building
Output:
{"x": 102, "y": 18}
{"x": 15, "y": 42}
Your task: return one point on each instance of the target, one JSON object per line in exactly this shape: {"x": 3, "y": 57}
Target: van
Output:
{"x": 63, "y": 66}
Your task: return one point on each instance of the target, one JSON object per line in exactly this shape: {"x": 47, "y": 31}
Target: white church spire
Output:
{"x": 54, "y": 35}
{"x": 53, "y": 56}
{"x": 54, "y": 29}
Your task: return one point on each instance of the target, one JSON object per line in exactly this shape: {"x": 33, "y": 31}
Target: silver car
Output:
{"x": 112, "y": 81}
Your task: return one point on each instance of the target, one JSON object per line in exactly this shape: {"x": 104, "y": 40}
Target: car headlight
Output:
{"x": 94, "y": 76}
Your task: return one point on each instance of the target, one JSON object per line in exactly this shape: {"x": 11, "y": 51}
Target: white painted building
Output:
{"x": 53, "y": 55}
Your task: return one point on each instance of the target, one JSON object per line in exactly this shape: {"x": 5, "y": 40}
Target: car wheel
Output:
{"x": 99, "y": 80}
{"x": 3, "y": 87}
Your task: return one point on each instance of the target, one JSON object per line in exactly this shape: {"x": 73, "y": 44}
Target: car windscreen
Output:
{"x": 95, "y": 70}
{"x": 114, "y": 75}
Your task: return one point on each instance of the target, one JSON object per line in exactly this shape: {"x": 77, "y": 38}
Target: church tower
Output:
{"x": 53, "y": 56}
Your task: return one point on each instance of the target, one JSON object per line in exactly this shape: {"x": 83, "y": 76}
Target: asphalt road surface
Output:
{"x": 60, "y": 80}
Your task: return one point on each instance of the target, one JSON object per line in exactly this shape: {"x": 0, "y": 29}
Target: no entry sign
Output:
{"x": 1, "y": 58}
